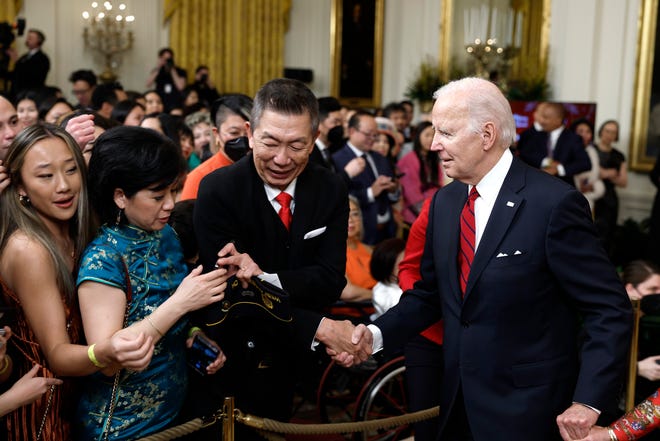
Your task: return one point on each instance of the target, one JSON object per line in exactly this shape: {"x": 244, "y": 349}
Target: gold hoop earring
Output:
{"x": 24, "y": 200}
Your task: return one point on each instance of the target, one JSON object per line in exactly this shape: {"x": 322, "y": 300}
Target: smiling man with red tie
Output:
{"x": 275, "y": 216}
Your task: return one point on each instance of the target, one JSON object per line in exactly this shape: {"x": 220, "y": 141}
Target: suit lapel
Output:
{"x": 506, "y": 206}
{"x": 449, "y": 234}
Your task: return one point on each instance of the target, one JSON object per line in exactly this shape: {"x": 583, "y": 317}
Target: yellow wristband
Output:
{"x": 5, "y": 366}
{"x": 193, "y": 330}
{"x": 92, "y": 357}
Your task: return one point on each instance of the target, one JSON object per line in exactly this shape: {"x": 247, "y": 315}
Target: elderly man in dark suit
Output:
{"x": 375, "y": 187}
{"x": 553, "y": 149}
{"x": 513, "y": 265}
{"x": 275, "y": 216}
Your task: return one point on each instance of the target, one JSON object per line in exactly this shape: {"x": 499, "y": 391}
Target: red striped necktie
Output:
{"x": 467, "y": 239}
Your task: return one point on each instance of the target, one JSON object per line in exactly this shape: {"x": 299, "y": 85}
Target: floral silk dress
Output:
{"x": 643, "y": 419}
{"x": 147, "y": 401}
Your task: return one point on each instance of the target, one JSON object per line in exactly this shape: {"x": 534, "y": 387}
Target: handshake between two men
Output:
{"x": 345, "y": 343}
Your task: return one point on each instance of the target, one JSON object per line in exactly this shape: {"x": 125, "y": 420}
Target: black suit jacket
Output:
{"x": 569, "y": 151}
{"x": 30, "y": 72}
{"x": 358, "y": 187}
{"x": 232, "y": 206}
{"x": 512, "y": 342}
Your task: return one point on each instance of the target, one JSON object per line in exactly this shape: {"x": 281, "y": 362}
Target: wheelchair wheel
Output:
{"x": 384, "y": 395}
{"x": 338, "y": 389}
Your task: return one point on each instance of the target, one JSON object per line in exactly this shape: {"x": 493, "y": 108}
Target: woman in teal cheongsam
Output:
{"x": 133, "y": 275}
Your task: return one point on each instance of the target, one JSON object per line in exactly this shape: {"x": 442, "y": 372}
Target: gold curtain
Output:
{"x": 242, "y": 42}
{"x": 9, "y": 9}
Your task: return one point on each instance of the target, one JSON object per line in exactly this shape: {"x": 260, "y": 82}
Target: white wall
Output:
{"x": 62, "y": 23}
{"x": 592, "y": 54}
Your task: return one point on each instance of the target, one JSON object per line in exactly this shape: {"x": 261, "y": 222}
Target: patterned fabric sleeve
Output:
{"x": 643, "y": 419}
{"x": 102, "y": 264}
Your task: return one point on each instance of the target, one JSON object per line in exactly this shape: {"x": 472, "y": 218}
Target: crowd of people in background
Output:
{"x": 90, "y": 189}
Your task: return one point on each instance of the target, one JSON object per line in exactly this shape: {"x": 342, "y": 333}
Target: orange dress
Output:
{"x": 357, "y": 266}
{"x": 55, "y": 407}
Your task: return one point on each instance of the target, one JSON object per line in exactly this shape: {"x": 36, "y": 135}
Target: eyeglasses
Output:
{"x": 372, "y": 135}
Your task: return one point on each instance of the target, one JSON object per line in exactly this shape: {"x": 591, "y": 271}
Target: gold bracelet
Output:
{"x": 612, "y": 435}
{"x": 5, "y": 367}
{"x": 92, "y": 357}
{"x": 154, "y": 326}
{"x": 193, "y": 330}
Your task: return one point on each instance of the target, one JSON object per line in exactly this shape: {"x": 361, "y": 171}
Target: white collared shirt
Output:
{"x": 488, "y": 188}
{"x": 272, "y": 192}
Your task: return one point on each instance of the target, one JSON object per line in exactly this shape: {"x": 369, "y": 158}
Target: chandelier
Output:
{"x": 107, "y": 31}
{"x": 493, "y": 52}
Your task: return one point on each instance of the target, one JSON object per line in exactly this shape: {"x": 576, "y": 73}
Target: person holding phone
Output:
{"x": 133, "y": 276}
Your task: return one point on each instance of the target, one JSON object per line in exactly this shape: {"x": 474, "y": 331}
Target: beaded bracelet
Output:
{"x": 5, "y": 366}
{"x": 92, "y": 357}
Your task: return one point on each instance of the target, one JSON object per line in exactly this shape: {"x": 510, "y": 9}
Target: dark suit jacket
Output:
{"x": 569, "y": 151}
{"x": 358, "y": 188}
{"x": 512, "y": 342}
{"x": 232, "y": 206}
{"x": 30, "y": 73}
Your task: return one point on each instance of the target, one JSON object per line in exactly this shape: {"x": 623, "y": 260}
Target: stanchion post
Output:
{"x": 632, "y": 359}
{"x": 228, "y": 421}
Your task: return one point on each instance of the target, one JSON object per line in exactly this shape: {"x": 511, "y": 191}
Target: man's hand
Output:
{"x": 81, "y": 128}
{"x": 576, "y": 421}
{"x": 354, "y": 167}
{"x": 383, "y": 183}
{"x": 345, "y": 343}
{"x": 240, "y": 264}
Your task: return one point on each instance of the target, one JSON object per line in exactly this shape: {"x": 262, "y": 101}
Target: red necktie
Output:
{"x": 284, "y": 200}
{"x": 467, "y": 239}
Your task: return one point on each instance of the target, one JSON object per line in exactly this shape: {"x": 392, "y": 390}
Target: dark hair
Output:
{"x": 431, "y": 158}
{"x": 287, "y": 96}
{"x": 200, "y": 67}
{"x": 354, "y": 120}
{"x": 638, "y": 271}
{"x": 46, "y": 104}
{"x": 28, "y": 94}
{"x": 328, "y": 104}
{"x": 166, "y": 49}
{"x": 85, "y": 75}
{"x": 99, "y": 120}
{"x": 132, "y": 159}
{"x": 609, "y": 121}
{"x": 579, "y": 122}
{"x": 231, "y": 103}
{"x": 181, "y": 220}
{"x": 105, "y": 93}
{"x": 123, "y": 108}
{"x": 393, "y": 107}
{"x": 384, "y": 257}
{"x": 40, "y": 34}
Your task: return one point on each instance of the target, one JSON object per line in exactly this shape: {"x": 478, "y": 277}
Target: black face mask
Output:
{"x": 237, "y": 148}
{"x": 336, "y": 136}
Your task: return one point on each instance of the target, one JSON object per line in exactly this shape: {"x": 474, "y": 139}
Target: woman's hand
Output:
{"x": 198, "y": 290}
{"x": 128, "y": 350}
{"x": 597, "y": 433}
{"x": 239, "y": 264}
{"x": 220, "y": 359}
{"x": 26, "y": 390}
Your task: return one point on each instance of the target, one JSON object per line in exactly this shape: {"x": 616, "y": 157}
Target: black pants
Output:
{"x": 424, "y": 368}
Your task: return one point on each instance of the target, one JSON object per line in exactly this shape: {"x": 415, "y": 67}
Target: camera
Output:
{"x": 204, "y": 78}
{"x": 202, "y": 353}
{"x": 169, "y": 64}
